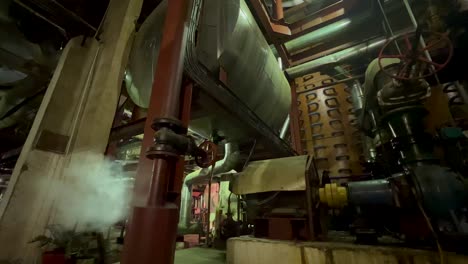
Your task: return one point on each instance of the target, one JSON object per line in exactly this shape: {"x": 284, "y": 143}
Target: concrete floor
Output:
{"x": 198, "y": 255}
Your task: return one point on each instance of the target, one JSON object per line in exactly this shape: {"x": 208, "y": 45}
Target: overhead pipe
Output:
{"x": 336, "y": 58}
{"x": 322, "y": 34}
{"x": 285, "y": 128}
{"x": 340, "y": 57}
{"x": 230, "y": 160}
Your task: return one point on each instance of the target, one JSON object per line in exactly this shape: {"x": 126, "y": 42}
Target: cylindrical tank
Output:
{"x": 229, "y": 41}
{"x": 252, "y": 69}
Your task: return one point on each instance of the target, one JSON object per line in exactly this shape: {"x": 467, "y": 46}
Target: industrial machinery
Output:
{"x": 409, "y": 192}
{"x": 410, "y": 189}
{"x": 225, "y": 53}
{"x": 405, "y": 186}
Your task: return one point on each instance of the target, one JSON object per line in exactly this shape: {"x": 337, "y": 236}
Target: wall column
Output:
{"x": 75, "y": 118}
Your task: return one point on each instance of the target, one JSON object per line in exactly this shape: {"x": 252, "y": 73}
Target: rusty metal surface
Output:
{"x": 328, "y": 126}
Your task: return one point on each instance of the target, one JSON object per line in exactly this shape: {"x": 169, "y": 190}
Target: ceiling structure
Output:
{"x": 303, "y": 31}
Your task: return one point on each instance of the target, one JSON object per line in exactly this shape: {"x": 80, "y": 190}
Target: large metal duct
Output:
{"x": 228, "y": 163}
{"x": 221, "y": 35}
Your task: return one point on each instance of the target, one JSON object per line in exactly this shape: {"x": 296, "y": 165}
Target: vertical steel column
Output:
{"x": 153, "y": 225}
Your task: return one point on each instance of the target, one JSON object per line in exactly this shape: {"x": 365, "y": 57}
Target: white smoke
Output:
{"x": 93, "y": 193}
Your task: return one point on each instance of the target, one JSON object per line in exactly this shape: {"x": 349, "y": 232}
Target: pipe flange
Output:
{"x": 162, "y": 151}
{"x": 173, "y": 124}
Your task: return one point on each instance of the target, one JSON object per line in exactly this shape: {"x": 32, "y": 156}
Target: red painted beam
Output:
{"x": 279, "y": 10}
{"x": 273, "y": 29}
{"x": 152, "y": 226}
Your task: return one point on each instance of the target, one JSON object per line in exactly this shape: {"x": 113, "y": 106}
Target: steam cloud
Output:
{"x": 94, "y": 193}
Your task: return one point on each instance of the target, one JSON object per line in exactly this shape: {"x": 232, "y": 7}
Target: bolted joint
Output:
{"x": 168, "y": 144}
{"x": 173, "y": 124}
{"x": 171, "y": 142}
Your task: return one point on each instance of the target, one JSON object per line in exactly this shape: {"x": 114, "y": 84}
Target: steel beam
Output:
{"x": 279, "y": 10}
{"x": 352, "y": 38}
{"x": 319, "y": 19}
{"x": 153, "y": 224}
{"x": 273, "y": 29}
{"x": 128, "y": 131}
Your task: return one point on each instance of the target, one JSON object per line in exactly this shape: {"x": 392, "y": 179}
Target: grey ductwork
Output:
{"x": 228, "y": 163}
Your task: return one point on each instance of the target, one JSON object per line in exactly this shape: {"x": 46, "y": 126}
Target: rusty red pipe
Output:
{"x": 152, "y": 228}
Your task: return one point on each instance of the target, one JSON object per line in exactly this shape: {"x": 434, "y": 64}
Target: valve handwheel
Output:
{"x": 209, "y": 158}
{"x": 414, "y": 63}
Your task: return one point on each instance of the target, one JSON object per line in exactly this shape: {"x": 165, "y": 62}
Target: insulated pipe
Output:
{"x": 291, "y": 3}
{"x": 228, "y": 163}
{"x": 336, "y": 58}
{"x": 285, "y": 128}
{"x": 339, "y": 57}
